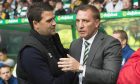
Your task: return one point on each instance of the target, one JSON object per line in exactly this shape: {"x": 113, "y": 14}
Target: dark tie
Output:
{"x": 86, "y": 52}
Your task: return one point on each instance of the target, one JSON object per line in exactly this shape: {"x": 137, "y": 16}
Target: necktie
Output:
{"x": 86, "y": 52}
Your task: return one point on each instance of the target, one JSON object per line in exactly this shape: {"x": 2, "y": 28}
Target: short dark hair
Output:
{"x": 3, "y": 50}
{"x": 5, "y": 66}
{"x": 123, "y": 34}
{"x": 35, "y": 10}
{"x": 37, "y": 1}
{"x": 95, "y": 11}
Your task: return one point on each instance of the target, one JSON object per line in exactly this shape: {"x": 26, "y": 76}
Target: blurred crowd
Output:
{"x": 11, "y": 9}
{"x": 6, "y": 68}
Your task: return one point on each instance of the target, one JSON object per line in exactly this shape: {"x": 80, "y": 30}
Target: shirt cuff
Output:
{"x": 82, "y": 70}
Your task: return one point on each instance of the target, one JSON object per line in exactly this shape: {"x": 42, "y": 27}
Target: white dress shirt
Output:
{"x": 81, "y": 75}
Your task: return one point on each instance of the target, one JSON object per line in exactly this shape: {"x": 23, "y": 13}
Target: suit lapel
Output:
{"x": 78, "y": 49}
{"x": 95, "y": 45}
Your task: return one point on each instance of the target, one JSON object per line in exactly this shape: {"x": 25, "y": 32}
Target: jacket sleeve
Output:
{"x": 109, "y": 68}
{"x": 37, "y": 69}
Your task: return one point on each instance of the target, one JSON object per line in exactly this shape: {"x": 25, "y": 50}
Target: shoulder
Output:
{"x": 128, "y": 49}
{"x": 1, "y": 81}
{"x": 105, "y": 37}
{"x": 27, "y": 51}
{"x": 108, "y": 41}
{"x": 77, "y": 41}
{"x": 131, "y": 69}
{"x": 10, "y": 60}
{"x": 30, "y": 54}
{"x": 13, "y": 80}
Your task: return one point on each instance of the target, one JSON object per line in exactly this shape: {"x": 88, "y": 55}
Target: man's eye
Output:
{"x": 77, "y": 20}
{"x": 49, "y": 20}
{"x": 85, "y": 21}
{"x": 8, "y": 72}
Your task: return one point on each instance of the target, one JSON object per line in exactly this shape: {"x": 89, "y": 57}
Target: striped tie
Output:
{"x": 86, "y": 52}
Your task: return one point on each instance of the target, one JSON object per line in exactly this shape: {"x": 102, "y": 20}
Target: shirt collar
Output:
{"x": 91, "y": 39}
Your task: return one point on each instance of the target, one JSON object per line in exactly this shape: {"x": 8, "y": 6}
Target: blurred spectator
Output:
{"x": 59, "y": 10}
{"x": 127, "y": 5}
{"x": 114, "y": 6}
{"x": 105, "y": 2}
{"x": 6, "y": 75}
{"x": 17, "y": 8}
{"x": 135, "y": 4}
{"x": 29, "y": 2}
{"x": 121, "y": 35}
{"x": 139, "y": 4}
{"x": 12, "y": 3}
{"x": 97, "y": 3}
{"x": 37, "y": 1}
{"x": 91, "y": 2}
{"x": 5, "y": 11}
{"x": 4, "y": 58}
{"x": 45, "y": 1}
{"x": 130, "y": 72}
{"x": 21, "y": 7}
{"x": 0, "y": 10}
{"x": 8, "y": 9}
{"x": 52, "y": 3}
{"x": 74, "y": 5}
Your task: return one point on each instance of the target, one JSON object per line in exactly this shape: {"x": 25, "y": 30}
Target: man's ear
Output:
{"x": 124, "y": 42}
{"x": 97, "y": 23}
{"x": 35, "y": 24}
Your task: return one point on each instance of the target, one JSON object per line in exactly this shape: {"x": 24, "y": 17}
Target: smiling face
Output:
{"x": 86, "y": 24}
{"x": 46, "y": 26}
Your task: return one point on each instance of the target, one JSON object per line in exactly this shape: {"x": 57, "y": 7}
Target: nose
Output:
{"x": 80, "y": 25}
{"x": 53, "y": 22}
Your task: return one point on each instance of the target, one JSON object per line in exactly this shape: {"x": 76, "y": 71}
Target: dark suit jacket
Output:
{"x": 104, "y": 59}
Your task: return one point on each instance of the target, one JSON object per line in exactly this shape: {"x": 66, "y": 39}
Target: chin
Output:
{"x": 85, "y": 37}
{"x": 53, "y": 33}
{"x": 82, "y": 36}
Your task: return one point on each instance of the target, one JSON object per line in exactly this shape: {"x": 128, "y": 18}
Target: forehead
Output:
{"x": 116, "y": 35}
{"x": 47, "y": 14}
{"x": 84, "y": 14}
{"x": 1, "y": 53}
{"x": 3, "y": 69}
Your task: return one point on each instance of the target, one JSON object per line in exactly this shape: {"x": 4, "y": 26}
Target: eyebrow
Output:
{"x": 50, "y": 19}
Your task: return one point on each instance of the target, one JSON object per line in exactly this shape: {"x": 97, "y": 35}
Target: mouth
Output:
{"x": 81, "y": 32}
{"x": 52, "y": 28}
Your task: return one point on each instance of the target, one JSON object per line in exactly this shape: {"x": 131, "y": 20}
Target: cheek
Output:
{"x": 1, "y": 57}
{"x": 45, "y": 28}
{"x": 90, "y": 27}
{"x": 9, "y": 75}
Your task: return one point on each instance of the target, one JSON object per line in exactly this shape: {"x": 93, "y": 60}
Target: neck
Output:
{"x": 123, "y": 45}
{"x": 5, "y": 81}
